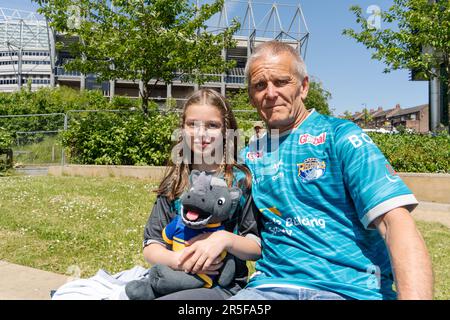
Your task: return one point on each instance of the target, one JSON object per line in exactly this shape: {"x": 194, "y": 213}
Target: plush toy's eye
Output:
{"x": 221, "y": 201}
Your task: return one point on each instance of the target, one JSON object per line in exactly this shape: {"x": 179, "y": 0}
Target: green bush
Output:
{"x": 124, "y": 103}
{"x": 128, "y": 138}
{"x": 415, "y": 152}
{"x": 46, "y": 101}
{"x": 6, "y": 140}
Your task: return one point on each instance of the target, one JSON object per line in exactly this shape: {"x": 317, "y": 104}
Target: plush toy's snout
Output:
{"x": 209, "y": 201}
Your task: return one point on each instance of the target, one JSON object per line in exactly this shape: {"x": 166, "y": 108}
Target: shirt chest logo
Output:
{"x": 311, "y": 169}
{"x": 252, "y": 156}
{"x": 314, "y": 140}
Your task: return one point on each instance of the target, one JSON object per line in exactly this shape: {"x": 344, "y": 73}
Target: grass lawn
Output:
{"x": 62, "y": 224}
{"x": 53, "y": 223}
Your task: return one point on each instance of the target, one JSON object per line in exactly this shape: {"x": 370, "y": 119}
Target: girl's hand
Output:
{"x": 202, "y": 255}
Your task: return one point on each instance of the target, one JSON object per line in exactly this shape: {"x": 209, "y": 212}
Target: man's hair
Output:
{"x": 275, "y": 48}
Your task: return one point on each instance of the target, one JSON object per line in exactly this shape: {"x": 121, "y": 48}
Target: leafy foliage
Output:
{"x": 6, "y": 139}
{"x": 121, "y": 139}
{"x": 149, "y": 41}
{"x": 415, "y": 152}
{"x": 419, "y": 40}
{"x": 52, "y": 100}
{"x": 318, "y": 98}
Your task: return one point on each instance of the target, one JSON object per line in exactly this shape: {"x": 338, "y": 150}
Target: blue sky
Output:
{"x": 344, "y": 66}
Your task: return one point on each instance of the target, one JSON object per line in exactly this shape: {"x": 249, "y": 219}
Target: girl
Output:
{"x": 206, "y": 122}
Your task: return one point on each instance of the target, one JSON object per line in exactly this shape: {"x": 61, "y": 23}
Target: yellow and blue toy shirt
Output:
{"x": 318, "y": 188}
{"x": 176, "y": 233}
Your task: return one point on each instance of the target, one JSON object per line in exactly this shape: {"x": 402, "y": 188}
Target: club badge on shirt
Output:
{"x": 311, "y": 169}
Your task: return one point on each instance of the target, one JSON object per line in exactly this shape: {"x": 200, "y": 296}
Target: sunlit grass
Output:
{"x": 55, "y": 223}
{"x": 52, "y": 223}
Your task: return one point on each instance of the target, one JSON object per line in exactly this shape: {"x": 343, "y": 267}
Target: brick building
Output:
{"x": 415, "y": 118}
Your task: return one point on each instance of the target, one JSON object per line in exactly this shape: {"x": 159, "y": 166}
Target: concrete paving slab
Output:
{"x": 25, "y": 283}
{"x": 433, "y": 212}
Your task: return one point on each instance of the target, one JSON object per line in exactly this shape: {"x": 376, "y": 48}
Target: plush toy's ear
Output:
{"x": 235, "y": 194}
{"x": 194, "y": 176}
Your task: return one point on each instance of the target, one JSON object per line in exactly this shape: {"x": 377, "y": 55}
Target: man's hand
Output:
{"x": 410, "y": 261}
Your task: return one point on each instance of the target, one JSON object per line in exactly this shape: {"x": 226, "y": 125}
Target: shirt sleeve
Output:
{"x": 249, "y": 226}
{"x": 161, "y": 215}
{"x": 248, "y": 215}
{"x": 372, "y": 183}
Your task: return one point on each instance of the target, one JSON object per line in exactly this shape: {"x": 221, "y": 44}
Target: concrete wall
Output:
{"x": 429, "y": 187}
{"x": 426, "y": 187}
{"x": 139, "y": 172}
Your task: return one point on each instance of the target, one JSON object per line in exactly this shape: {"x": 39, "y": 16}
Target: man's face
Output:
{"x": 276, "y": 90}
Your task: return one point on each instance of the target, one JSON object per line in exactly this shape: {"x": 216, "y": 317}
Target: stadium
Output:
{"x": 28, "y": 56}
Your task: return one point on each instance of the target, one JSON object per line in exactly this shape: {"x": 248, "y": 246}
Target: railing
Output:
{"x": 234, "y": 78}
{"x": 60, "y": 71}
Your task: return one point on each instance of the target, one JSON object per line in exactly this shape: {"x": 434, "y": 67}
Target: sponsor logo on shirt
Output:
{"x": 314, "y": 140}
{"x": 391, "y": 174}
{"x": 254, "y": 155}
{"x": 306, "y": 222}
{"x": 359, "y": 140}
{"x": 277, "y": 225}
{"x": 311, "y": 169}
{"x": 273, "y": 210}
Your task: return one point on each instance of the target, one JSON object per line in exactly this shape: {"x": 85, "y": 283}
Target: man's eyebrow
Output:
{"x": 257, "y": 79}
{"x": 283, "y": 77}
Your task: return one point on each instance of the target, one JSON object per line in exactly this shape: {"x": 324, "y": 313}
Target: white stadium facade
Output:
{"x": 28, "y": 55}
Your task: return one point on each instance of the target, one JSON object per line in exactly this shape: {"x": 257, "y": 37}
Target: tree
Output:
{"x": 348, "y": 115}
{"x": 420, "y": 42}
{"x": 318, "y": 98}
{"x": 367, "y": 117}
{"x": 151, "y": 41}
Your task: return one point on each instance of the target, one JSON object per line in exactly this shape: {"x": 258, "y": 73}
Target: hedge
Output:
{"x": 130, "y": 138}
{"x": 120, "y": 139}
{"x": 409, "y": 152}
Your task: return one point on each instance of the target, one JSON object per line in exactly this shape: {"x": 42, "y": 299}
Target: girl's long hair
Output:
{"x": 176, "y": 178}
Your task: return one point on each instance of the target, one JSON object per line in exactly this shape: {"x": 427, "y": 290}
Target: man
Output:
{"x": 334, "y": 214}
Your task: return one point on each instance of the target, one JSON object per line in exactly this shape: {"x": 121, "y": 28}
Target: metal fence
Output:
{"x": 37, "y": 138}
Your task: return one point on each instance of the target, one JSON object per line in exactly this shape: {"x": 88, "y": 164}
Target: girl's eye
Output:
{"x": 214, "y": 126}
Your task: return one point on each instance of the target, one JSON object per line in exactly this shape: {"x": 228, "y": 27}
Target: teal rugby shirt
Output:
{"x": 318, "y": 188}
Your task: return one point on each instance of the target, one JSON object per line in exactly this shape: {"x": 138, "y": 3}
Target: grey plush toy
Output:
{"x": 208, "y": 203}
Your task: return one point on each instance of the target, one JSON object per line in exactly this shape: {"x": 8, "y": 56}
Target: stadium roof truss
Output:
{"x": 262, "y": 21}
{"x": 23, "y": 29}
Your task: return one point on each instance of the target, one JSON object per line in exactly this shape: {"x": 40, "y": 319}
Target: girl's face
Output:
{"x": 203, "y": 128}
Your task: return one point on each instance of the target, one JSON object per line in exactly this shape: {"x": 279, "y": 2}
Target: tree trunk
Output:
{"x": 446, "y": 70}
{"x": 145, "y": 96}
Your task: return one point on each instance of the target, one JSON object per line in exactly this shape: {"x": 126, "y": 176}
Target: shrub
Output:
{"x": 6, "y": 140}
{"x": 415, "y": 152}
{"x": 128, "y": 138}
{"x": 46, "y": 101}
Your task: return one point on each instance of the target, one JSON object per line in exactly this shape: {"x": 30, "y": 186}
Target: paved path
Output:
{"x": 19, "y": 282}
{"x": 433, "y": 212}
{"x": 25, "y": 283}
